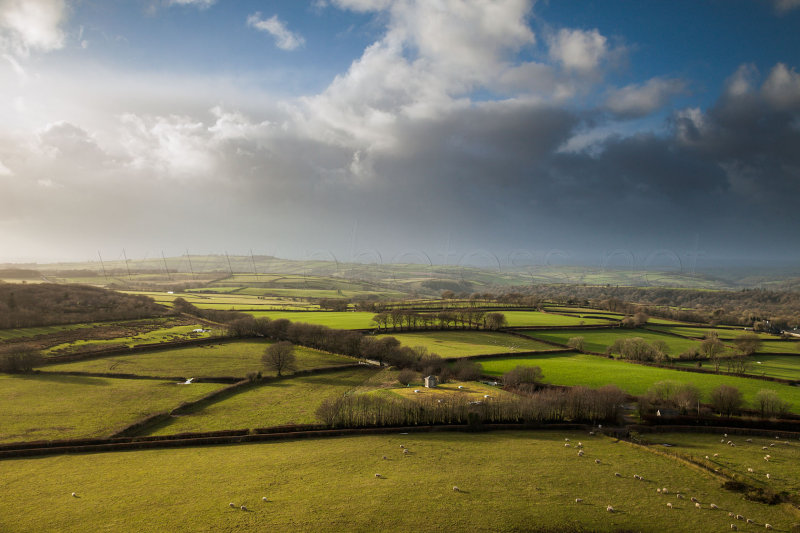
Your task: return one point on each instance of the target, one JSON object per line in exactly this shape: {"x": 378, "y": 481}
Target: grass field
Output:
{"x": 330, "y": 485}
{"x": 594, "y": 371}
{"x": 774, "y": 366}
{"x": 231, "y": 358}
{"x": 19, "y": 334}
{"x": 464, "y": 343}
{"x": 472, "y": 390}
{"x": 779, "y": 347}
{"x": 226, "y": 299}
{"x": 599, "y": 340}
{"x": 700, "y": 333}
{"x": 49, "y": 407}
{"x": 535, "y": 318}
{"x": 288, "y": 401}
{"x": 144, "y": 337}
{"x": 783, "y": 466}
{"x": 332, "y": 319}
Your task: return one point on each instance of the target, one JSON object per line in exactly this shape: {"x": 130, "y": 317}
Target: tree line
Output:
{"x": 462, "y": 318}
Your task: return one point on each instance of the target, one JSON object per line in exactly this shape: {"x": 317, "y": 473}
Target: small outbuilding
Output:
{"x": 431, "y": 382}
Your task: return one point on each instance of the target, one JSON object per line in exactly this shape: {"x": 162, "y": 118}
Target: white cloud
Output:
{"x": 782, "y": 87}
{"x": 578, "y": 50}
{"x": 284, "y": 39}
{"x": 638, "y": 100}
{"x": 4, "y": 170}
{"x": 741, "y": 82}
{"x": 27, "y": 25}
{"x": 202, "y": 4}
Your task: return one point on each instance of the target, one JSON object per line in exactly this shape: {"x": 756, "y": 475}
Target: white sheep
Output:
{"x": 693, "y": 499}
{"x": 749, "y": 440}
{"x": 679, "y": 496}
{"x": 597, "y": 461}
{"x": 402, "y": 446}
{"x": 617, "y": 474}
{"x": 461, "y": 386}
{"x": 669, "y": 505}
{"x": 698, "y": 505}
{"x": 751, "y": 521}
{"x": 231, "y": 505}
{"x": 591, "y": 433}
{"x": 716, "y": 455}
{"x": 664, "y": 491}
{"x": 609, "y": 509}
{"x": 243, "y": 508}
{"x": 725, "y": 435}
{"x": 567, "y": 445}
{"x": 580, "y": 453}
{"x": 764, "y": 448}
{"x": 750, "y": 470}
{"x": 739, "y": 517}
{"x": 566, "y": 439}
{"x": 772, "y": 445}
{"x": 264, "y": 499}
{"x": 722, "y": 440}
{"x": 486, "y": 396}
{"x": 733, "y": 527}
{"x": 658, "y": 491}
{"x": 767, "y": 476}
{"x": 578, "y": 500}
{"x": 406, "y": 452}
{"x": 713, "y": 506}
{"x": 456, "y": 489}
{"x": 377, "y": 475}
{"x": 768, "y": 526}
{"x": 417, "y": 391}
{"x": 74, "y": 495}
{"x": 580, "y": 444}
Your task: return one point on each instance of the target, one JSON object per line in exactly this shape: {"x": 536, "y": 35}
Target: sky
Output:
{"x": 514, "y": 132}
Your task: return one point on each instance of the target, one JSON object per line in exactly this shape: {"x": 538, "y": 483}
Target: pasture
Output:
{"x": 774, "y": 366}
{"x": 700, "y": 332}
{"x": 292, "y": 400}
{"x": 228, "y": 358}
{"x": 598, "y": 340}
{"x": 451, "y": 344}
{"x": 595, "y": 371}
{"x": 783, "y": 465}
{"x": 51, "y": 407}
{"x": 330, "y": 484}
{"x": 332, "y": 319}
{"x": 471, "y": 391}
{"x": 536, "y": 318}
{"x": 149, "y": 336}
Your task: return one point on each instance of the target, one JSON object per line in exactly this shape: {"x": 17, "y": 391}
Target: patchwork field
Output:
{"x": 535, "y": 318}
{"x": 700, "y": 333}
{"x": 50, "y": 407}
{"x": 471, "y": 391}
{"x": 595, "y": 371}
{"x": 231, "y": 358}
{"x": 331, "y": 484}
{"x": 332, "y": 319}
{"x": 774, "y": 366}
{"x": 288, "y": 401}
{"x": 599, "y": 340}
{"x": 450, "y": 344}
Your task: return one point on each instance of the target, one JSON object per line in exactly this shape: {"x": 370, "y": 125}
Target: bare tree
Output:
{"x": 280, "y": 357}
{"x": 495, "y": 320}
{"x": 747, "y": 344}
{"x": 726, "y": 399}
{"x": 712, "y": 348}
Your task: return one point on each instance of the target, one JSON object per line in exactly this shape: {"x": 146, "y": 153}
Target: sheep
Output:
{"x": 74, "y": 495}
{"x": 580, "y": 453}
{"x": 417, "y": 391}
{"x": 456, "y": 489}
{"x": 406, "y": 452}
{"x": 707, "y": 457}
{"x": 739, "y": 517}
{"x": 750, "y": 470}
{"x": 767, "y": 476}
{"x": 732, "y": 445}
{"x": 591, "y": 433}
{"x": 264, "y": 499}
{"x": 729, "y": 442}
{"x": 461, "y": 386}
{"x": 567, "y": 445}
{"x": 698, "y": 505}
{"x": 609, "y": 509}
{"x": 679, "y": 496}
{"x": 637, "y": 476}
{"x": 764, "y": 448}
{"x": 580, "y": 444}
{"x": 658, "y": 491}
{"x": 377, "y": 475}
{"x": 716, "y": 455}
{"x": 669, "y": 505}
{"x": 617, "y": 474}
{"x": 664, "y": 491}
{"x": 713, "y": 506}
{"x": 402, "y": 446}
{"x": 597, "y": 461}
{"x": 722, "y": 440}
{"x": 751, "y": 521}
{"x": 772, "y": 445}
{"x": 243, "y": 508}
{"x": 733, "y": 527}
{"x": 231, "y": 505}
{"x": 693, "y": 499}
{"x": 768, "y": 526}
{"x": 578, "y": 500}
{"x": 749, "y": 440}
{"x": 730, "y": 514}
{"x": 486, "y": 396}
{"x": 566, "y": 439}
{"x": 725, "y": 435}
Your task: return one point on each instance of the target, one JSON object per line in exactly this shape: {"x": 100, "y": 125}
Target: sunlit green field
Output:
{"x": 49, "y": 407}
{"x": 779, "y": 347}
{"x": 332, "y": 319}
{"x": 230, "y": 358}
{"x": 535, "y": 318}
{"x": 596, "y": 371}
{"x": 466, "y": 343}
{"x": 330, "y": 484}
{"x": 599, "y": 340}
{"x": 783, "y": 465}
{"x": 145, "y": 337}
{"x": 223, "y": 299}
{"x": 288, "y": 401}
{"x": 24, "y": 333}
{"x": 699, "y": 333}
{"x": 774, "y": 366}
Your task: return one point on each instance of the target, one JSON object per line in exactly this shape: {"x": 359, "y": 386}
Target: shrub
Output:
{"x": 769, "y": 404}
{"x": 466, "y": 370}
{"x": 726, "y": 399}
{"x": 406, "y": 376}
{"x": 20, "y": 358}
{"x": 524, "y": 377}
{"x": 576, "y": 343}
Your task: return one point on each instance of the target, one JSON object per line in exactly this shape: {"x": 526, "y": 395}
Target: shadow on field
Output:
{"x": 62, "y": 378}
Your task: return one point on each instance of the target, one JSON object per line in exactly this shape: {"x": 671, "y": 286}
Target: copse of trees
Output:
{"x": 19, "y": 358}
{"x": 523, "y": 378}
{"x": 44, "y": 304}
{"x": 460, "y": 318}
{"x": 638, "y": 349}
{"x": 577, "y": 404}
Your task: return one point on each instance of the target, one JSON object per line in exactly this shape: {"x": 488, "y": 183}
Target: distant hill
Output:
{"x": 30, "y": 305}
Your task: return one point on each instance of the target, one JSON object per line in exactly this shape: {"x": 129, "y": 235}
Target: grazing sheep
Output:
{"x": 716, "y": 455}
{"x": 750, "y": 470}
{"x": 264, "y": 499}
{"x": 231, "y": 505}
{"x": 693, "y": 499}
{"x": 461, "y": 386}
{"x": 713, "y": 506}
{"x": 580, "y": 453}
{"x": 658, "y": 491}
{"x": 567, "y": 445}
{"x": 772, "y": 445}
{"x": 417, "y": 391}
{"x": 767, "y": 476}
{"x": 456, "y": 489}
{"x": 617, "y": 474}
{"x": 591, "y": 433}
{"x": 243, "y": 508}
{"x": 679, "y": 496}
{"x": 697, "y": 505}
{"x": 733, "y": 527}
{"x": 733, "y": 445}
{"x": 406, "y": 452}
{"x": 739, "y": 517}
{"x": 637, "y": 476}
{"x": 749, "y": 440}
{"x": 669, "y": 505}
{"x": 597, "y": 461}
{"x": 74, "y": 495}
{"x": 707, "y": 457}
{"x": 768, "y": 526}
{"x": 377, "y": 475}
{"x": 580, "y": 444}
{"x": 764, "y": 448}
{"x": 609, "y": 509}
{"x": 751, "y": 521}
{"x": 486, "y": 396}
{"x": 664, "y": 491}
{"x": 722, "y": 440}
{"x": 725, "y": 435}
{"x": 402, "y": 446}
{"x": 729, "y": 442}
{"x": 578, "y": 500}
